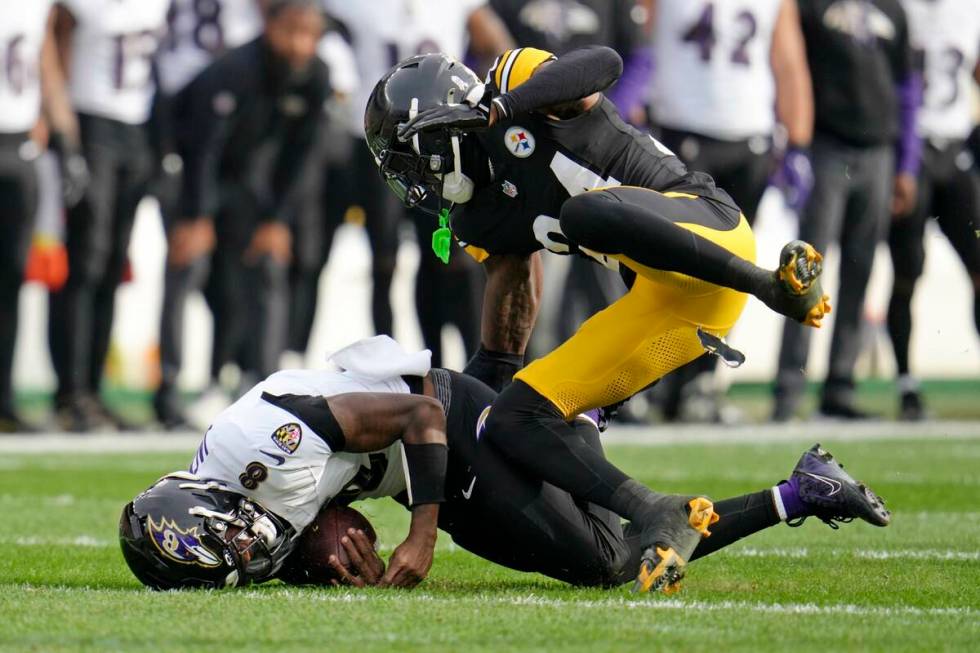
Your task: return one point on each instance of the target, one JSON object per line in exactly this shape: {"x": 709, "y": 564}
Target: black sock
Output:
{"x": 900, "y": 327}
{"x": 740, "y": 516}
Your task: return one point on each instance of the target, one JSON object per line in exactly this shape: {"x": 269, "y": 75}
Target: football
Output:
{"x": 307, "y": 564}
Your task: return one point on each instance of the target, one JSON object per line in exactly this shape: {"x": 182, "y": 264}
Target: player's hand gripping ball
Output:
{"x": 323, "y": 557}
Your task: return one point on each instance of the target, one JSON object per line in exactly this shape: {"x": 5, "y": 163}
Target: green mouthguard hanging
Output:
{"x": 442, "y": 237}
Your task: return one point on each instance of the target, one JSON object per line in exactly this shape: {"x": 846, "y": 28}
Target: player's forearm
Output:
{"x": 794, "y": 106}
{"x": 425, "y": 523}
{"x": 54, "y": 92}
{"x": 488, "y": 34}
{"x": 571, "y": 77}
{"x": 510, "y": 302}
{"x": 794, "y": 87}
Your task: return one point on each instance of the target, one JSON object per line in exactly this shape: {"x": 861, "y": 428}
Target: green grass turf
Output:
{"x": 912, "y": 586}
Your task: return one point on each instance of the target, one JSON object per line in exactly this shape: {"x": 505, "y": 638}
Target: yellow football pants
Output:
{"x": 650, "y": 331}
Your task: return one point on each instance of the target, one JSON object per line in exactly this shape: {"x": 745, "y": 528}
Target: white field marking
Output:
{"x": 868, "y": 554}
{"x": 78, "y": 540}
{"x": 649, "y": 603}
{"x": 482, "y": 601}
{"x": 806, "y": 432}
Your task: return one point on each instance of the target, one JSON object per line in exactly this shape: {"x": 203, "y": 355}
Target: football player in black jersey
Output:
{"x": 537, "y": 158}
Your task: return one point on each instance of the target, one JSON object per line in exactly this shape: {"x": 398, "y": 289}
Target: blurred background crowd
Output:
{"x": 187, "y": 203}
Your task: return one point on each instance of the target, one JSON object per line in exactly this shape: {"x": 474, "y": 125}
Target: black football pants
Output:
{"x": 500, "y": 512}
{"x": 18, "y": 206}
{"x": 949, "y": 189}
{"x": 97, "y": 234}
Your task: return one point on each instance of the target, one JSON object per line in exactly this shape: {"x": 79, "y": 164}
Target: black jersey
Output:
{"x": 536, "y": 163}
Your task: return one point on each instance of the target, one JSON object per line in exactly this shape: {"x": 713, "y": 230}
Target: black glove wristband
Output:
{"x": 494, "y": 368}
{"x": 425, "y": 473}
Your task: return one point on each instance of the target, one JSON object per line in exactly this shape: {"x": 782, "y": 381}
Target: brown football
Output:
{"x": 307, "y": 564}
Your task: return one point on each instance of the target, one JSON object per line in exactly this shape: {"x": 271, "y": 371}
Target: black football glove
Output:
{"x": 75, "y": 176}
{"x": 447, "y": 116}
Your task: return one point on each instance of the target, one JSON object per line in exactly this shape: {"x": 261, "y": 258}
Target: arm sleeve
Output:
{"x": 909, "y": 90}
{"x": 571, "y": 77}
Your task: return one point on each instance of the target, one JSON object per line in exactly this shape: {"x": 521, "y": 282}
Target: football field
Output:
{"x": 912, "y": 586}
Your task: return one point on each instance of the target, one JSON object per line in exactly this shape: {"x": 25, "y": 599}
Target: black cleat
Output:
{"x": 832, "y": 495}
{"x": 911, "y": 407}
{"x": 844, "y": 410}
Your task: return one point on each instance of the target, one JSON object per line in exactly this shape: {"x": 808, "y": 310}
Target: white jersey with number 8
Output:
{"x": 278, "y": 460}
{"x": 200, "y": 30}
{"x": 714, "y": 75}
{"x": 948, "y": 34}
{"x": 22, "y": 29}
{"x": 113, "y": 46}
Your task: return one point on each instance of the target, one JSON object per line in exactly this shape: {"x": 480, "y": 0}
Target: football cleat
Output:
{"x": 798, "y": 276}
{"x": 832, "y": 495}
{"x": 678, "y": 525}
{"x": 911, "y": 407}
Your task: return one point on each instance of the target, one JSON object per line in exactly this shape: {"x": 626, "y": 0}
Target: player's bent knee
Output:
{"x": 590, "y": 220}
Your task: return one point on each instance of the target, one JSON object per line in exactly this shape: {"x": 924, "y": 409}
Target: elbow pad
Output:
{"x": 494, "y": 368}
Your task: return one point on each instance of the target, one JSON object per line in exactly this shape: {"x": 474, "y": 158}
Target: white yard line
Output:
{"x": 946, "y": 555}
{"x": 822, "y": 431}
{"x": 868, "y": 554}
{"x": 651, "y": 603}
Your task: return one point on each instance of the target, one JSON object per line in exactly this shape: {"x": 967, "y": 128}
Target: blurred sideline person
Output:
{"x": 390, "y": 425}
{"x": 725, "y": 67}
{"x": 199, "y": 32}
{"x": 560, "y": 26}
{"x": 865, "y": 159}
{"x": 31, "y": 82}
{"x": 383, "y": 32}
{"x": 326, "y": 197}
{"x": 948, "y": 34}
{"x": 108, "y": 47}
{"x": 245, "y": 127}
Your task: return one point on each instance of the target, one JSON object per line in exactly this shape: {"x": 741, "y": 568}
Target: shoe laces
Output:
{"x": 834, "y": 521}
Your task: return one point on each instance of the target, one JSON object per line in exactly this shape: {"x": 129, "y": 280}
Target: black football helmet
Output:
{"x": 424, "y": 165}
{"x": 186, "y": 532}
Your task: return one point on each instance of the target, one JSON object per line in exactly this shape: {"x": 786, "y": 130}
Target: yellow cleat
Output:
{"x": 661, "y": 572}
{"x": 799, "y": 294}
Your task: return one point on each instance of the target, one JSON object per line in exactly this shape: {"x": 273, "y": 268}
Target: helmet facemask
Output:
{"x": 201, "y": 534}
{"x": 427, "y": 169}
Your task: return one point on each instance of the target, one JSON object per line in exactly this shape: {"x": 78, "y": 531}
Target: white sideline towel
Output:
{"x": 379, "y": 358}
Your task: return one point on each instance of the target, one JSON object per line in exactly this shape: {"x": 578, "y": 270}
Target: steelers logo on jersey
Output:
{"x": 519, "y": 141}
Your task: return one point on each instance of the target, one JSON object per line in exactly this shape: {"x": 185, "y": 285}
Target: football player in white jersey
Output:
{"x": 947, "y": 33}
{"x": 108, "y": 47}
{"x": 382, "y": 33}
{"x": 30, "y": 81}
{"x": 198, "y": 32}
{"x": 727, "y": 72}
{"x": 388, "y": 425}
